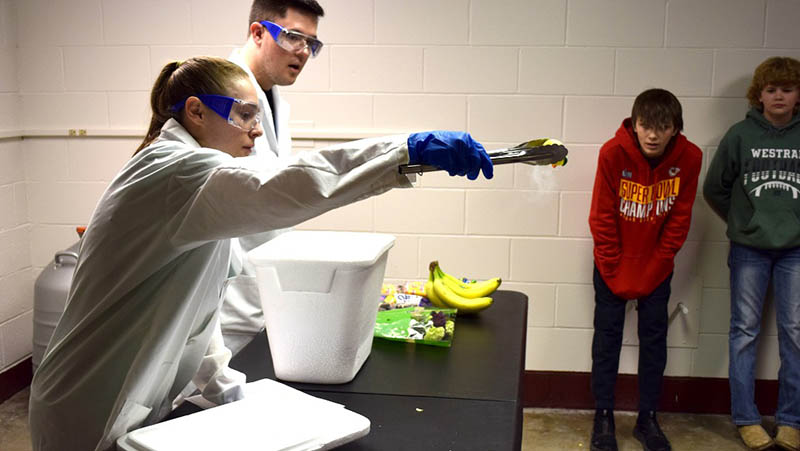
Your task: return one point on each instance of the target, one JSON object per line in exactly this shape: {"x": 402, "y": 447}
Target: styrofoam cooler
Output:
{"x": 320, "y": 292}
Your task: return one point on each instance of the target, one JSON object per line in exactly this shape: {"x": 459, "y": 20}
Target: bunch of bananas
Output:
{"x": 446, "y": 291}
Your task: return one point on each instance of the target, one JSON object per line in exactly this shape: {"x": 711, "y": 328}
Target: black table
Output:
{"x": 466, "y": 397}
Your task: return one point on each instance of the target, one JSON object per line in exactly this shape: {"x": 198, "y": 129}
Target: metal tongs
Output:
{"x": 533, "y": 152}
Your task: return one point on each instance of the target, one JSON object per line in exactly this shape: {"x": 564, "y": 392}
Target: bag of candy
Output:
{"x": 402, "y": 300}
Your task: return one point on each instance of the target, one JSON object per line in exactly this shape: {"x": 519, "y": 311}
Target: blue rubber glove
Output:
{"x": 455, "y": 152}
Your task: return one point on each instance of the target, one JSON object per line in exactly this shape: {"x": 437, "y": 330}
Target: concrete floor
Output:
{"x": 556, "y": 429}
{"x": 14, "y": 435}
{"x": 543, "y": 429}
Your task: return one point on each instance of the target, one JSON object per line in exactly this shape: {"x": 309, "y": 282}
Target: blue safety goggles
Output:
{"x": 245, "y": 115}
{"x": 292, "y": 41}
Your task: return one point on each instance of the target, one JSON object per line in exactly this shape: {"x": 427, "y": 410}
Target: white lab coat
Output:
{"x": 142, "y": 309}
{"x": 241, "y": 316}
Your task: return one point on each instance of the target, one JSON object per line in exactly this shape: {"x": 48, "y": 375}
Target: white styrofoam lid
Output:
{"x": 272, "y": 417}
{"x": 343, "y": 248}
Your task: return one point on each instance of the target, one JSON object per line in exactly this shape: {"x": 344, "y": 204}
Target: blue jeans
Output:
{"x": 751, "y": 270}
{"x": 609, "y": 320}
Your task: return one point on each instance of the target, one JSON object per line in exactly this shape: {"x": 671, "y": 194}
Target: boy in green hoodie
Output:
{"x": 753, "y": 183}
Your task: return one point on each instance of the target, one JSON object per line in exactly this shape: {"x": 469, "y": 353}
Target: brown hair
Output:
{"x": 179, "y": 80}
{"x": 273, "y": 9}
{"x": 657, "y": 107}
{"x": 776, "y": 71}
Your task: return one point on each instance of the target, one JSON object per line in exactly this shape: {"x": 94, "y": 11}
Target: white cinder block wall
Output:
{"x": 505, "y": 70}
{"x": 16, "y": 273}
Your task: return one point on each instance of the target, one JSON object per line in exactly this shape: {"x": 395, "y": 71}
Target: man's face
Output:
{"x": 653, "y": 140}
{"x": 277, "y": 66}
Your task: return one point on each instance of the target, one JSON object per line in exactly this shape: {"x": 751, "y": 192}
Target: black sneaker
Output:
{"x": 649, "y": 433}
{"x": 603, "y": 438}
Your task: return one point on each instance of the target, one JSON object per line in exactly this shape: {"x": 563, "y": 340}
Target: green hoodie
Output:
{"x": 753, "y": 182}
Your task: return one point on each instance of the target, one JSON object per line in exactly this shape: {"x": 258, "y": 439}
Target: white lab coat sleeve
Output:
{"x": 236, "y": 200}
{"x": 216, "y": 381}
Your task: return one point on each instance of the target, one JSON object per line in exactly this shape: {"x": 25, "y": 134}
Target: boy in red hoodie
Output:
{"x": 641, "y": 208}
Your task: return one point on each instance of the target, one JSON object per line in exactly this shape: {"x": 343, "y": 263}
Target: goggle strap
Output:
{"x": 177, "y": 107}
{"x": 220, "y": 104}
{"x": 273, "y": 29}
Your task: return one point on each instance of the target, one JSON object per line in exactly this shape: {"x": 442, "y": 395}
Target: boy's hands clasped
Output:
{"x": 455, "y": 152}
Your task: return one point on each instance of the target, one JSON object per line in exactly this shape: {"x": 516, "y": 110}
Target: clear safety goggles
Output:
{"x": 245, "y": 115}
{"x": 292, "y": 41}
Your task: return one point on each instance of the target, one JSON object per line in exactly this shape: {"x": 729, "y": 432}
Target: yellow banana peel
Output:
{"x": 430, "y": 293}
{"x": 467, "y": 289}
{"x": 453, "y": 300}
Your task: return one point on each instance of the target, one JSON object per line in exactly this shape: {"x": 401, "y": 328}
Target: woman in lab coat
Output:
{"x": 141, "y": 321}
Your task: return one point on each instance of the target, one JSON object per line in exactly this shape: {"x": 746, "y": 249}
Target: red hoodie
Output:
{"x": 640, "y": 215}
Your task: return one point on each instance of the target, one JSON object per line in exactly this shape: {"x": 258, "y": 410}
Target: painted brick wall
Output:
{"x": 506, "y": 71}
{"x": 16, "y": 273}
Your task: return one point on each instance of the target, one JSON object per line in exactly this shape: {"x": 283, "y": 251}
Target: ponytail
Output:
{"x": 160, "y": 113}
{"x": 180, "y": 80}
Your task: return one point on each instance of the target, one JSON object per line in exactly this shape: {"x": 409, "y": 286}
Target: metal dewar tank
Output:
{"x": 50, "y": 297}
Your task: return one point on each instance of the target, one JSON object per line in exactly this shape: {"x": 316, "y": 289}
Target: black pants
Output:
{"x": 609, "y": 320}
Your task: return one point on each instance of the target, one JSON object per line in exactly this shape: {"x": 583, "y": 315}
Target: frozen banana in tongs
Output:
{"x": 534, "y": 152}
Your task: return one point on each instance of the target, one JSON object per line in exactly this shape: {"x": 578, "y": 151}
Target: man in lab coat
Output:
{"x": 282, "y": 37}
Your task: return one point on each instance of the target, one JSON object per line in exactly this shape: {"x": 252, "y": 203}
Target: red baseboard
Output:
{"x": 15, "y": 379}
{"x": 558, "y": 389}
